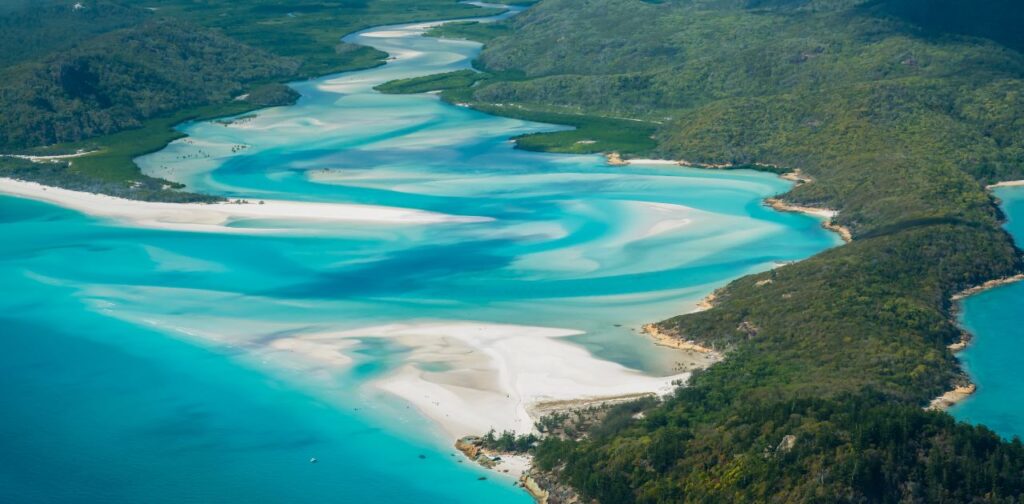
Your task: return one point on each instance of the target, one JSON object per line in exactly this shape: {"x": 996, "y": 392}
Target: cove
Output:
{"x": 168, "y": 366}
{"x": 994, "y": 355}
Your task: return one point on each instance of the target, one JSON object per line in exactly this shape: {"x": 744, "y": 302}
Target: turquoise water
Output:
{"x": 995, "y": 355}
{"x": 146, "y": 365}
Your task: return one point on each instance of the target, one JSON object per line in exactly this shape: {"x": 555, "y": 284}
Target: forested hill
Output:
{"x": 901, "y": 111}
{"x": 29, "y": 30}
{"x": 114, "y": 76}
{"x": 117, "y": 80}
{"x": 76, "y": 70}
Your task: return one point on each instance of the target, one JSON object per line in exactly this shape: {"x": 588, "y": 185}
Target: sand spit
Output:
{"x": 218, "y": 217}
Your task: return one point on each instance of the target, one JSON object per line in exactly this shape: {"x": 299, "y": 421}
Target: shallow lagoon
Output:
{"x": 141, "y": 364}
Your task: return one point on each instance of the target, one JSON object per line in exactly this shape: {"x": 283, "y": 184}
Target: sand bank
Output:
{"x": 471, "y": 377}
{"x": 217, "y": 217}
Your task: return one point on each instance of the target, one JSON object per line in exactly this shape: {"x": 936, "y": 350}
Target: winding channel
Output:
{"x": 214, "y": 366}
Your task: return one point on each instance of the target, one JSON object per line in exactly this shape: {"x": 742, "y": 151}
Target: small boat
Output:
{"x": 312, "y": 460}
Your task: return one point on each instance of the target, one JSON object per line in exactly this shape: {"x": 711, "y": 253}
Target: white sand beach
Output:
{"x": 470, "y": 377}
{"x": 1008, "y": 183}
{"x": 46, "y": 159}
{"x": 654, "y": 162}
{"x": 217, "y": 217}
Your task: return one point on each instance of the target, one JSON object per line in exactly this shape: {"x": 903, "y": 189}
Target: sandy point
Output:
{"x": 218, "y": 217}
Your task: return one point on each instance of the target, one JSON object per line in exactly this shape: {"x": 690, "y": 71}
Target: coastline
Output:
{"x": 967, "y": 388}
{"x": 794, "y": 175}
{"x": 823, "y": 213}
{"x": 961, "y": 392}
{"x": 662, "y": 338}
{"x": 991, "y": 284}
{"x": 218, "y": 217}
{"x": 1008, "y": 183}
{"x": 952, "y": 397}
{"x": 707, "y": 303}
{"x": 469, "y": 377}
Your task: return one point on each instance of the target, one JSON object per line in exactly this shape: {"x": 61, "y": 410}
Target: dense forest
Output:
{"x": 901, "y": 111}
{"x": 117, "y": 80}
{"x": 115, "y": 76}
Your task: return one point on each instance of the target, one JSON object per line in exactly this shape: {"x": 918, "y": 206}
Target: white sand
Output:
{"x": 1008, "y": 183}
{"x": 669, "y": 217}
{"x": 470, "y": 377}
{"x": 330, "y": 353}
{"x": 44, "y": 159}
{"x": 389, "y": 33}
{"x": 216, "y": 217}
{"x": 782, "y": 206}
{"x": 661, "y": 162}
{"x": 515, "y": 465}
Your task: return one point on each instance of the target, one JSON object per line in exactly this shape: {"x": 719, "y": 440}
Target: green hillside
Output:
{"x": 901, "y": 111}
{"x": 115, "y": 76}
{"x": 117, "y": 80}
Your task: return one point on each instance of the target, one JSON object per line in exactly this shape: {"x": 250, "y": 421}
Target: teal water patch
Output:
{"x": 147, "y": 365}
{"x": 98, "y": 410}
{"x": 996, "y": 353}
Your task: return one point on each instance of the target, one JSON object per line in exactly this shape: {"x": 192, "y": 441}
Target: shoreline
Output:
{"x": 218, "y": 217}
{"x": 823, "y": 213}
{"x": 493, "y": 460}
{"x": 707, "y": 303}
{"x": 952, "y": 397}
{"x": 776, "y": 203}
{"x": 468, "y": 377}
{"x": 665, "y": 339}
{"x": 1007, "y": 183}
{"x": 991, "y": 284}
